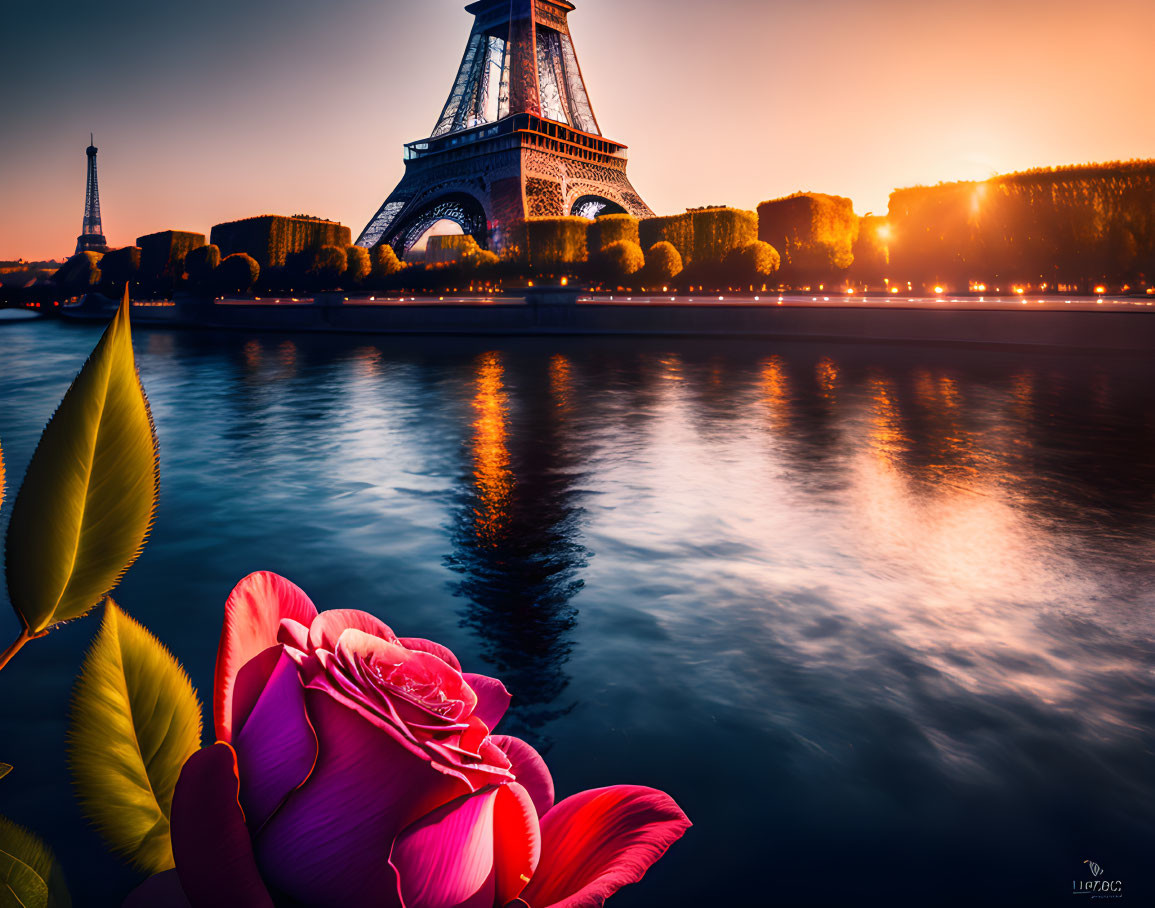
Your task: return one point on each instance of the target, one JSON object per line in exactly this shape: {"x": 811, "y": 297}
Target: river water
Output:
{"x": 880, "y": 619}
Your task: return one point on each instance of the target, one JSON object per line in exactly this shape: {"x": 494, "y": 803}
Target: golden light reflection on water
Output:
{"x": 827, "y": 375}
{"x": 253, "y": 356}
{"x": 775, "y": 388}
{"x": 886, "y": 436}
{"x": 950, "y": 546}
{"x": 370, "y": 362}
{"x": 492, "y": 476}
{"x": 560, "y": 381}
{"x": 1023, "y": 390}
{"x": 287, "y": 356}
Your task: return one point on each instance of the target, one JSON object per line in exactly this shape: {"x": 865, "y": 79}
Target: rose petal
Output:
{"x": 517, "y": 841}
{"x": 492, "y": 698}
{"x": 445, "y": 859}
{"x": 530, "y": 770}
{"x": 411, "y": 676}
{"x": 159, "y": 891}
{"x": 327, "y": 845}
{"x": 444, "y": 653}
{"x": 598, "y": 841}
{"x": 250, "y": 683}
{"x": 210, "y": 842}
{"x": 326, "y": 630}
{"x": 293, "y": 633}
{"x": 253, "y": 616}
{"x": 276, "y": 747}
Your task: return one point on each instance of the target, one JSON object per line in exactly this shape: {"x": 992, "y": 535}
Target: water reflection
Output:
{"x": 515, "y": 543}
{"x": 853, "y": 605}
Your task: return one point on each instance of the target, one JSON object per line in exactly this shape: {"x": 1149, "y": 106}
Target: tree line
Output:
{"x": 1065, "y": 228}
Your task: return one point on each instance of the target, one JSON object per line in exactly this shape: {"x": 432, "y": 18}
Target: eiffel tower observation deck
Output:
{"x": 91, "y": 237}
{"x": 517, "y": 138}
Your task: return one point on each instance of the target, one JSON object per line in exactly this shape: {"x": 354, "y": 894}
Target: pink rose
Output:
{"x": 357, "y": 768}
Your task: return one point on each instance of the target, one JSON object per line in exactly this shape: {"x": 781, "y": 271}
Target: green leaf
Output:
{"x": 135, "y": 720}
{"x": 5, "y": 768}
{"x": 85, "y": 508}
{"x": 29, "y": 874}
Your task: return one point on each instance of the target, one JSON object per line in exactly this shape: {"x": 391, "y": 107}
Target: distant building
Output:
{"x": 91, "y": 237}
{"x": 271, "y": 239}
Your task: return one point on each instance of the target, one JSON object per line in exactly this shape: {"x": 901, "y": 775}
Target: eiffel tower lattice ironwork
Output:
{"x": 91, "y": 237}
{"x": 517, "y": 137}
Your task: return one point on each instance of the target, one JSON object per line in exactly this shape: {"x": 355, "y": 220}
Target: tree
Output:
{"x": 162, "y": 254}
{"x": 612, "y": 228}
{"x": 478, "y": 259}
{"x": 80, "y": 273}
{"x": 620, "y": 260}
{"x": 358, "y": 267}
{"x": 547, "y": 243}
{"x": 663, "y": 263}
{"x": 754, "y": 262}
{"x": 703, "y": 236}
{"x": 328, "y": 265}
{"x": 200, "y": 264}
{"x": 237, "y": 273}
{"x": 385, "y": 262}
{"x": 119, "y": 267}
{"x": 813, "y": 232}
{"x": 872, "y": 250}
{"x": 1074, "y": 226}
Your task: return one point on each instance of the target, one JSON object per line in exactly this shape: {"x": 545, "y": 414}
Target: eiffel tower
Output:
{"x": 516, "y": 139}
{"x": 91, "y": 237}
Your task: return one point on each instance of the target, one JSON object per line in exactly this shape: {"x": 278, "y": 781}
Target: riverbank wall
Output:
{"x": 957, "y": 325}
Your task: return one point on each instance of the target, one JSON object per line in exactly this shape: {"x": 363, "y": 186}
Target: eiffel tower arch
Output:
{"x": 517, "y": 138}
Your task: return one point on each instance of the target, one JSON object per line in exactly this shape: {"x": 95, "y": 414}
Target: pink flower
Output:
{"x": 357, "y": 768}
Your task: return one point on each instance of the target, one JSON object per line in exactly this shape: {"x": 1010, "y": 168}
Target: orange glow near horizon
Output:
{"x": 281, "y": 128}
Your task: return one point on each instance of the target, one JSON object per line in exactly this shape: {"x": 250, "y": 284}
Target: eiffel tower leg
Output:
{"x": 385, "y": 217}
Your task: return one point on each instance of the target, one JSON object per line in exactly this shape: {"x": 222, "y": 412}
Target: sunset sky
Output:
{"x": 217, "y": 110}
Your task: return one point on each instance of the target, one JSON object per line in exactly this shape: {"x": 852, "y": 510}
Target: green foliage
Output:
{"x": 814, "y": 233}
{"x": 200, "y": 264}
{"x": 80, "y": 273}
{"x": 719, "y": 231}
{"x": 237, "y": 273}
{"x": 30, "y": 876}
{"x": 613, "y": 228}
{"x": 753, "y": 262}
{"x": 621, "y": 259}
{"x": 704, "y": 236}
{"x": 449, "y": 249}
{"x": 385, "y": 262}
{"x": 328, "y": 265}
{"x": 458, "y": 250}
{"x": 162, "y": 255}
{"x": 872, "y": 249}
{"x": 480, "y": 259}
{"x": 86, "y": 505}
{"x": 358, "y": 267}
{"x": 1075, "y": 225}
{"x": 120, "y": 266}
{"x": 677, "y": 230}
{"x": 547, "y": 243}
{"x": 135, "y": 720}
{"x": 272, "y": 239}
{"x": 663, "y": 263}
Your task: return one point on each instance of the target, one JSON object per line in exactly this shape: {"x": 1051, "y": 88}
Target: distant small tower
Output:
{"x": 91, "y": 237}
